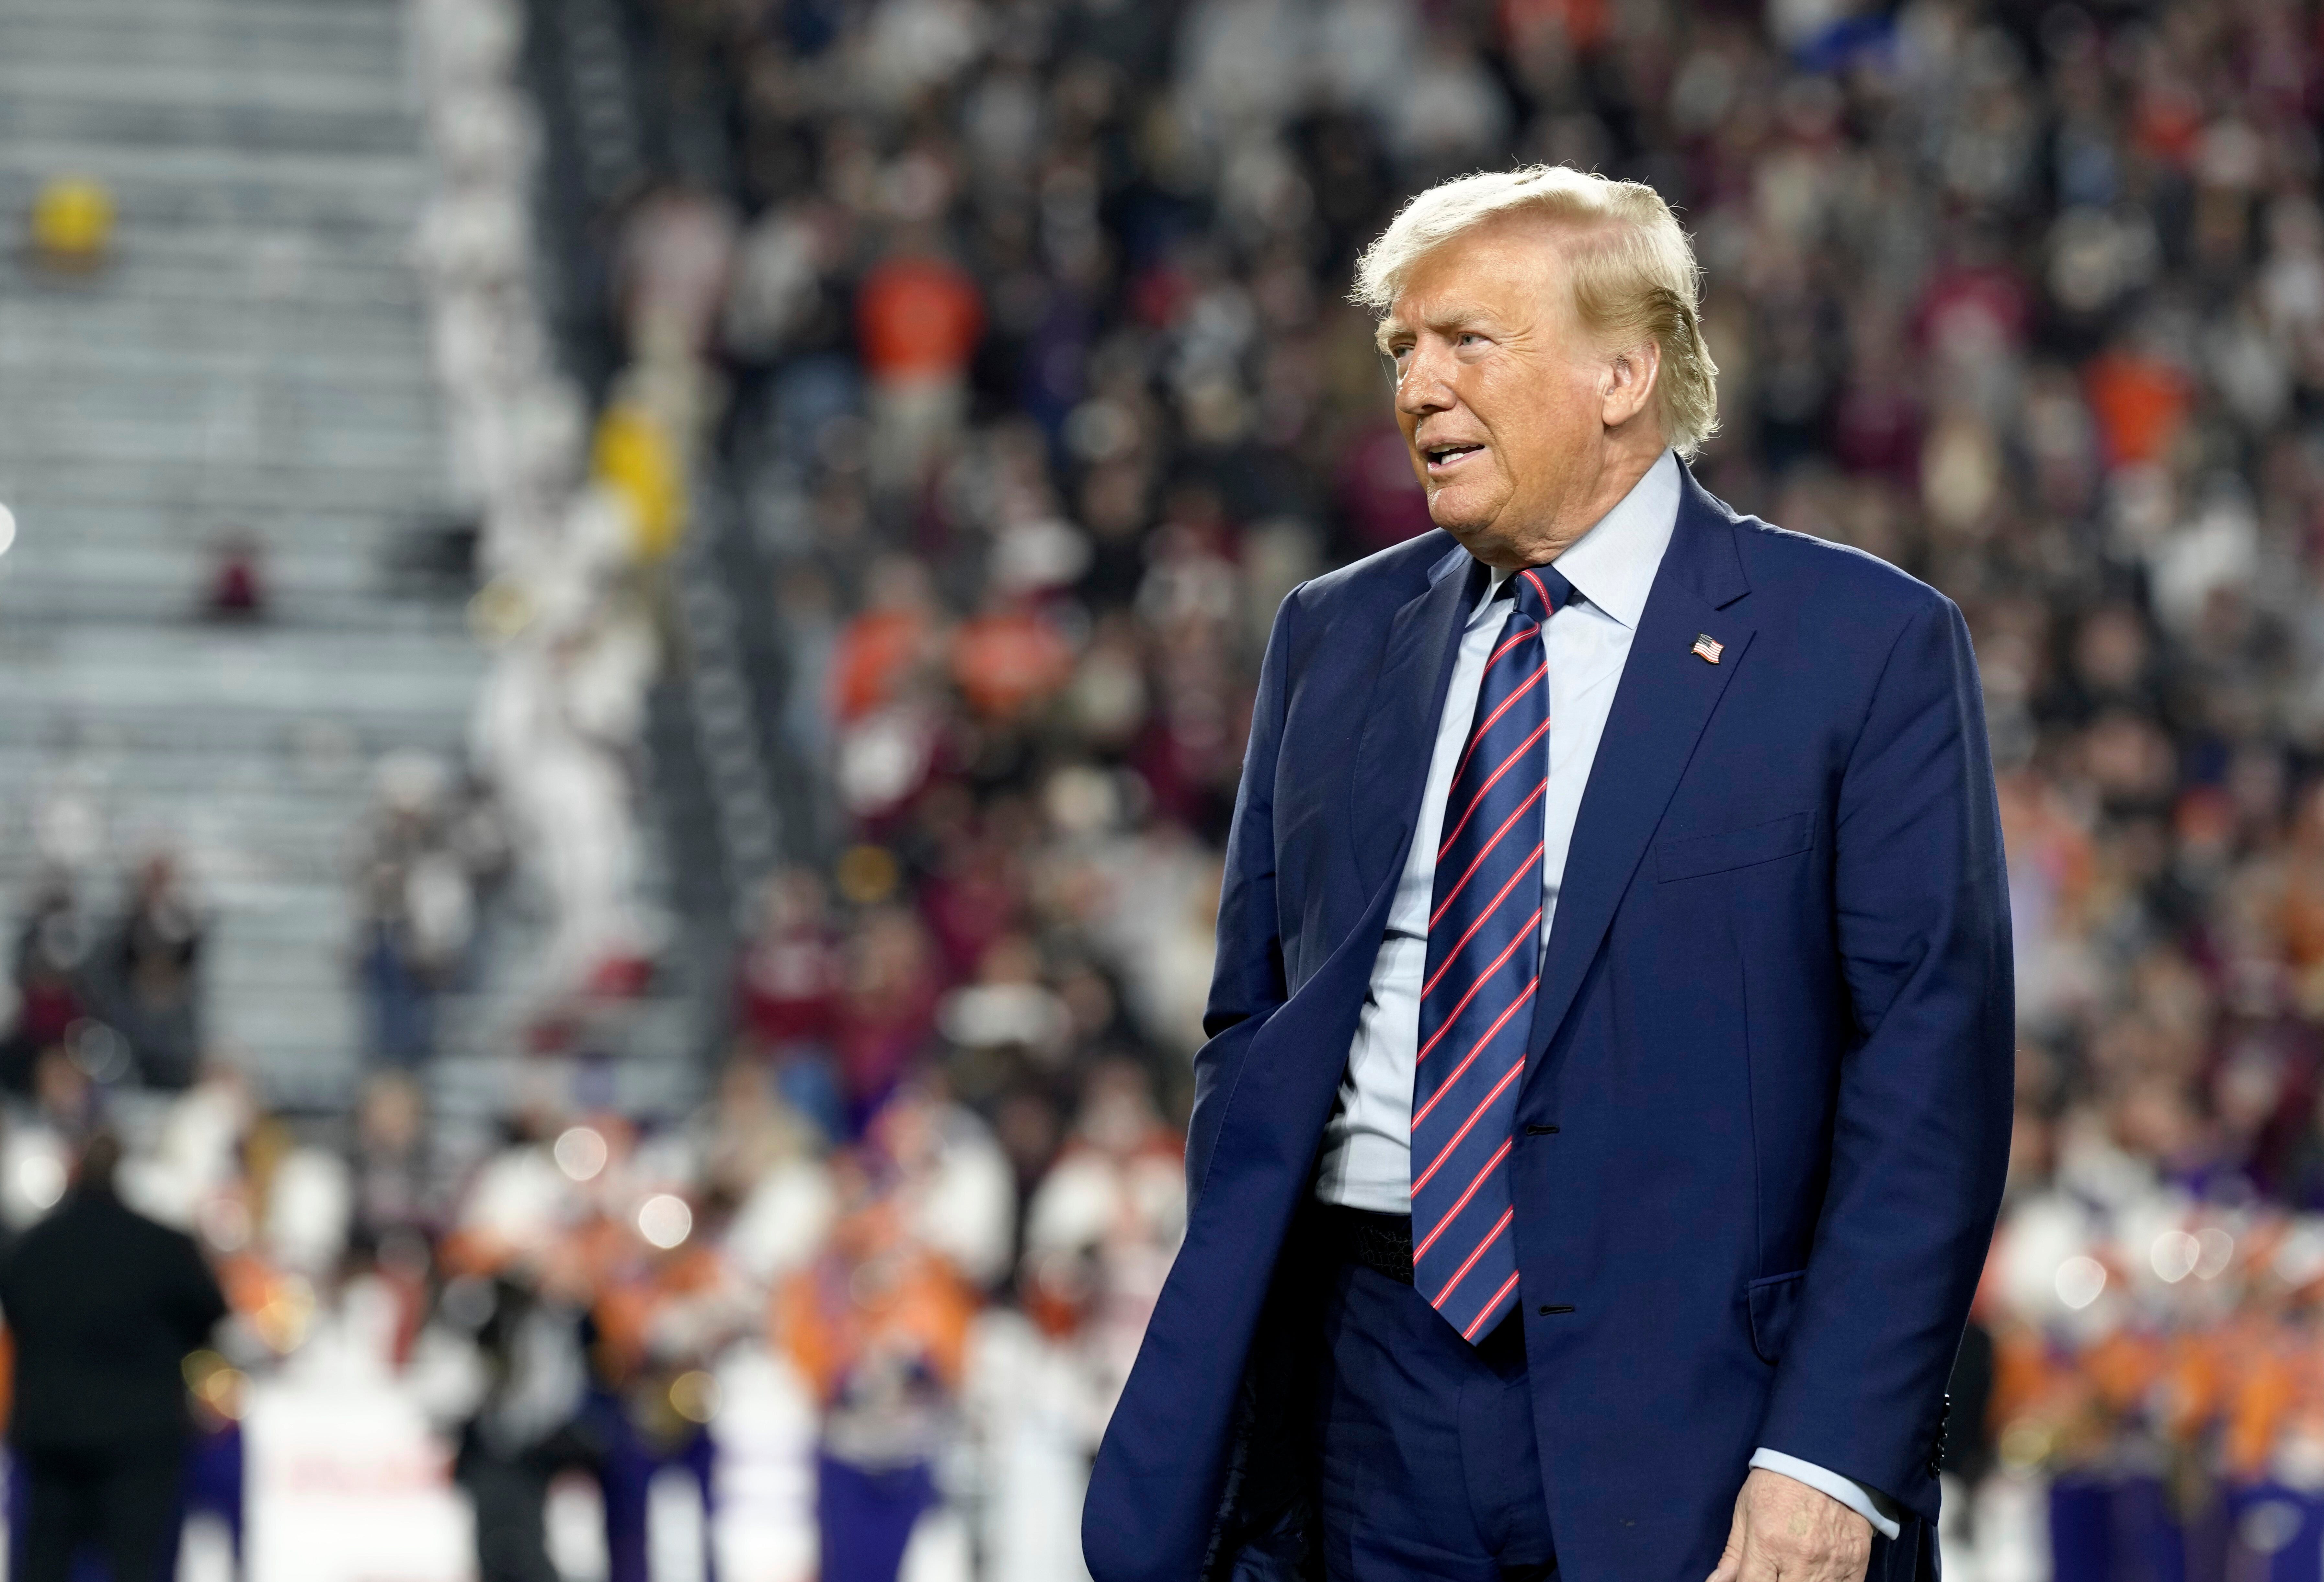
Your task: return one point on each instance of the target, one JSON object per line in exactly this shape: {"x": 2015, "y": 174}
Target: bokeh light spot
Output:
{"x": 694, "y": 1396}
{"x": 581, "y": 1153}
{"x": 665, "y": 1220}
{"x": 2079, "y": 1281}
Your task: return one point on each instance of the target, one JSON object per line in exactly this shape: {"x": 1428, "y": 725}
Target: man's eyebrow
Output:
{"x": 1452, "y": 316}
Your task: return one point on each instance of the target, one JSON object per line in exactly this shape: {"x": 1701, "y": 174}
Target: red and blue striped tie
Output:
{"x": 1484, "y": 924}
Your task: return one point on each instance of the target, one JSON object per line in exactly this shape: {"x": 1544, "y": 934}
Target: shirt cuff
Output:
{"x": 1887, "y": 1516}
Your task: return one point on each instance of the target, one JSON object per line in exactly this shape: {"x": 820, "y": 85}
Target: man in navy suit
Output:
{"x": 1608, "y": 1090}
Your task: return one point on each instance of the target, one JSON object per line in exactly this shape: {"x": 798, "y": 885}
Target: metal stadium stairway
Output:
{"x": 255, "y": 360}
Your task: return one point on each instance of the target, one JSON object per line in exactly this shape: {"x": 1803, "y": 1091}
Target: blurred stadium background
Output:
{"x": 625, "y": 630}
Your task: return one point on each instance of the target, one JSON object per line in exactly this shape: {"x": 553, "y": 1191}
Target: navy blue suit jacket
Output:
{"x": 1761, "y": 1141}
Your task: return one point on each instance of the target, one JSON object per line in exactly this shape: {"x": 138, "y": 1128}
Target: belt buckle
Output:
{"x": 1386, "y": 1253}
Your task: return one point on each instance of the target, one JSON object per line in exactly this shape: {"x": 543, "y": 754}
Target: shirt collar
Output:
{"x": 1613, "y": 564}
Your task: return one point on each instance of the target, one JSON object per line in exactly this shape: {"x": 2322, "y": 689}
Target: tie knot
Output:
{"x": 1540, "y": 591}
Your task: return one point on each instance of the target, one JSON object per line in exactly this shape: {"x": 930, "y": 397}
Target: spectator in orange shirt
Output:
{"x": 658, "y": 1317}
{"x": 918, "y": 316}
{"x": 880, "y": 651}
{"x": 1008, "y": 659}
{"x": 880, "y": 1326}
{"x": 2140, "y": 402}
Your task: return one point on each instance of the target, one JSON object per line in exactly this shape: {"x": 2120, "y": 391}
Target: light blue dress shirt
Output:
{"x": 1366, "y": 1161}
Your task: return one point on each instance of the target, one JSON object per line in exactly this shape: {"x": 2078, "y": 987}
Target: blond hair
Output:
{"x": 1634, "y": 277}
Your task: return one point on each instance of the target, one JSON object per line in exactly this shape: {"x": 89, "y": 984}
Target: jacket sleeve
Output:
{"x": 1920, "y": 1133}
{"x": 1247, "y": 979}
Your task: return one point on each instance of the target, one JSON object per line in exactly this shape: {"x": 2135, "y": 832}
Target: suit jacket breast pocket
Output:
{"x": 1694, "y": 857}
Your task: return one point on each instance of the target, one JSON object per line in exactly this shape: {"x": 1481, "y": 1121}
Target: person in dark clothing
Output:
{"x": 105, "y": 1305}
{"x": 525, "y": 1429}
{"x": 150, "y": 966}
{"x": 51, "y": 988}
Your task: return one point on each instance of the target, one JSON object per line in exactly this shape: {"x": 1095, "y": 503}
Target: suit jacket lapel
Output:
{"x": 1666, "y": 697}
{"x": 1399, "y": 727}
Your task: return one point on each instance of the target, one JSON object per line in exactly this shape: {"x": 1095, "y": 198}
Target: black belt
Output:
{"x": 1380, "y": 1242}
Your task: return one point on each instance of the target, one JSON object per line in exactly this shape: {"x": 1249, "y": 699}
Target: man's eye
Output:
{"x": 1468, "y": 338}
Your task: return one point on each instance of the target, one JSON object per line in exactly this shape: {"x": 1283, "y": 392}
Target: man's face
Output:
{"x": 1500, "y": 397}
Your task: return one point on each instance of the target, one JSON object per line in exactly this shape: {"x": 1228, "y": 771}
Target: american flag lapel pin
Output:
{"x": 1708, "y": 647}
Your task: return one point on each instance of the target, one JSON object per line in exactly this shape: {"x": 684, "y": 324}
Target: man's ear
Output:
{"x": 1629, "y": 384}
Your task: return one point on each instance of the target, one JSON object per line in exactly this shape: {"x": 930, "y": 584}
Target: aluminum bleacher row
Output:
{"x": 253, "y": 359}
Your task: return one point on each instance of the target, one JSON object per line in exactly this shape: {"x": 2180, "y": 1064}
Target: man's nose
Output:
{"x": 1421, "y": 385}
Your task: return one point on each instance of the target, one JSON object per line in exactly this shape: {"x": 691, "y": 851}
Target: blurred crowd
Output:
{"x": 1017, "y": 331}
{"x": 728, "y": 1295}
{"x": 571, "y": 521}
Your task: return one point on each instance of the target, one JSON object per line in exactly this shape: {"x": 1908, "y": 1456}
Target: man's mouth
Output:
{"x": 1443, "y": 459}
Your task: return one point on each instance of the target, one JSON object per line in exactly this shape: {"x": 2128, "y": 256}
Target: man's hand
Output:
{"x": 1786, "y": 1531}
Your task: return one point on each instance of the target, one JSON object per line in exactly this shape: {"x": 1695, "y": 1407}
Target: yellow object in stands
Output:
{"x": 633, "y": 457}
